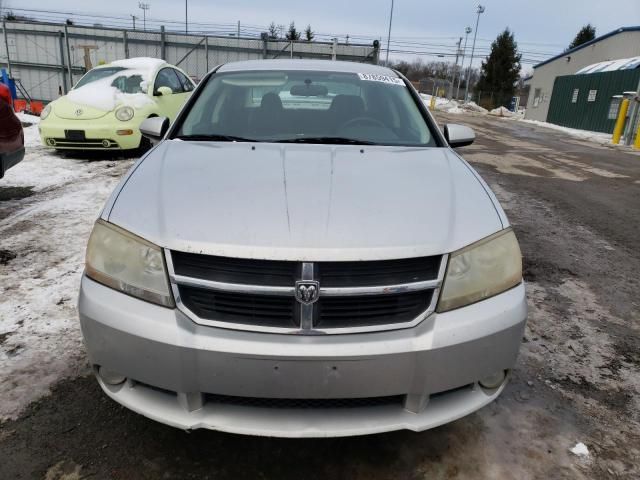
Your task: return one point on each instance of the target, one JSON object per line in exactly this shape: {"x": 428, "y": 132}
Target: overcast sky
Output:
{"x": 542, "y": 27}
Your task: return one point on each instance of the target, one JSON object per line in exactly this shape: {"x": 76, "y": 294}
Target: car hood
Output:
{"x": 65, "y": 108}
{"x": 304, "y": 202}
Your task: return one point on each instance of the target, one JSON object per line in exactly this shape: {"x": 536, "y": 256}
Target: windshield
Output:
{"x": 128, "y": 82}
{"x": 306, "y": 107}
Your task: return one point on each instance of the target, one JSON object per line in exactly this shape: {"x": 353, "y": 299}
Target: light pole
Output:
{"x": 186, "y": 17}
{"x": 455, "y": 68}
{"x": 389, "y": 35}
{"x": 473, "y": 49}
{"x": 144, "y": 7}
{"x": 467, "y": 31}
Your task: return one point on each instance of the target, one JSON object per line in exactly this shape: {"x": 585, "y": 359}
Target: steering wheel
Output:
{"x": 363, "y": 120}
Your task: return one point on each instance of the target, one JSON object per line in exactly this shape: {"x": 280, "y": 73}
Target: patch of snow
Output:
{"x": 102, "y": 95}
{"x": 139, "y": 63}
{"x": 580, "y": 450}
{"x": 40, "y": 340}
{"x": 501, "y": 112}
{"x": 599, "y": 137}
{"x": 26, "y": 118}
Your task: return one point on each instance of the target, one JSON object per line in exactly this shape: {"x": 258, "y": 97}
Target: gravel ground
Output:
{"x": 575, "y": 207}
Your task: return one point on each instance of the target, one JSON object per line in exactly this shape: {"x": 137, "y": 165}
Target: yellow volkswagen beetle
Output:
{"x": 105, "y": 108}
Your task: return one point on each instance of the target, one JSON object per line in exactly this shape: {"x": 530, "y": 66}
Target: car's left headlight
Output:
{"x": 45, "y": 112}
{"x": 126, "y": 262}
{"x": 124, "y": 114}
{"x": 481, "y": 270}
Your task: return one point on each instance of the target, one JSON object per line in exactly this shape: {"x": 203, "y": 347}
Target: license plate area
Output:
{"x": 75, "y": 135}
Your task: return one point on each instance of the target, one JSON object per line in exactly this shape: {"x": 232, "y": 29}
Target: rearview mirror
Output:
{"x": 458, "y": 135}
{"x": 309, "y": 90}
{"x": 163, "y": 91}
{"x": 154, "y": 128}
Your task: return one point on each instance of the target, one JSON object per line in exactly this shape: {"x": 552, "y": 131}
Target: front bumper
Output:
{"x": 10, "y": 159}
{"x": 173, "y": 366}
{"x": 96, "y": 132}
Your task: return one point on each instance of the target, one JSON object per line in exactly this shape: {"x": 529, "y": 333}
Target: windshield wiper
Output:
{"x": 327, "y": 140}
{"x": 214, "y": 138}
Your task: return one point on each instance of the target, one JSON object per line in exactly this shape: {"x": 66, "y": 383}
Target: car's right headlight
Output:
{"x": 126, "y": 262}
{"x": 481, "y": 270}
{"x": 45, "y": 112}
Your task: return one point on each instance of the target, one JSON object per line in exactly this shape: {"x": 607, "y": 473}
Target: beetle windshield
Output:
{"x": 306, "y": 107}
{"x": 127, "y": 81}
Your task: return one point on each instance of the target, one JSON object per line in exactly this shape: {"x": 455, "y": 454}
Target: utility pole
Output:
{"x": 144, "y": 7}
{"x": 133, "y": 17}
{"x": 186, "y": 16}
{"x": 455, "y": 68}
{"x": 389, "y": 34}
{"x": 467, "y": 31}
{"x": 473, "y": 49}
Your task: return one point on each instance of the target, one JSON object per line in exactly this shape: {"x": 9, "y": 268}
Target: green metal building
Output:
{"x": 590, "y": 99}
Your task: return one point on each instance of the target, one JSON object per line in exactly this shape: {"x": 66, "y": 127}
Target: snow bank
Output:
{"x": 598, "y": 137}
{"x": 473, "y": 107}
{"x": 40, "y": 340}
{"x": 101, "y": 95}
{"x": 26, "y": 118}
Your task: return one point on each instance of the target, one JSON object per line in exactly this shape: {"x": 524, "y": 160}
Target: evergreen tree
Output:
{"x": 586, "y": 34}
{"x": 292, "y": 34}
{"x": 308, "y": 34}
{"x": 273, "y": 31}
{"x": 500, "y": 71}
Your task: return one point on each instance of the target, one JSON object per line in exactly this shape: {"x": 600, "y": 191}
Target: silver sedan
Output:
{"x": 303, "y": 254}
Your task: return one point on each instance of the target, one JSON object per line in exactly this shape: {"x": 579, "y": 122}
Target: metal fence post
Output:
{"x": 163, "y": 45}
{"x": 125, "y": 42}
{"x": 206, "y": 52}
{"x": 69, "y": 61}
{"x": 62, "y": 62}
{"x": 6, "y": 45}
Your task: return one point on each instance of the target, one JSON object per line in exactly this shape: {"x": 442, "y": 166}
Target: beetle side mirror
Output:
{"x": 154, "y": 128}
{"x": 458, "y": 135}
{"x": 163, "y": 92}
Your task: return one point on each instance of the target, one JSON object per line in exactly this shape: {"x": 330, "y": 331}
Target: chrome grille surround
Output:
{"x": 305, "y": 312}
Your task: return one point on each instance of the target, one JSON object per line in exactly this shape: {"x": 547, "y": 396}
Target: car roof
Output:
{"x": 313, "y": 65}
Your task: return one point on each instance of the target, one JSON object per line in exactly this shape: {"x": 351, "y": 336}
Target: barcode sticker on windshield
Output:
{"x": 371, "y": 77}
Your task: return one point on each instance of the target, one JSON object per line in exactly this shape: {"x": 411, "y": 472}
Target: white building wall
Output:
{"x": 621, "y": 45}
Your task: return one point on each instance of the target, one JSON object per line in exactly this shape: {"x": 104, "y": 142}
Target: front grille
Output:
{"x": 87, "y": 143}
{"x": 261, "y": 310}
{"x": 304, "y": 403}
{"x": 259, "y": 294}
{"x": 382, "y": 272}
{"x": 344, "y": 312}
{"x": 234, "y": 270}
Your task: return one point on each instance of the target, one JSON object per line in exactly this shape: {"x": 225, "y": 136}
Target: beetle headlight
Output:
{"x": 482, "y": 270}
{"x": 124, "y": 114}
{"x": 45, "y": 112}
{"x": 125, "y": 262}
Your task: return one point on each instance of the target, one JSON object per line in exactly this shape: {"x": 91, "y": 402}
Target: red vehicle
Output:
{"x": 11, "y": 137}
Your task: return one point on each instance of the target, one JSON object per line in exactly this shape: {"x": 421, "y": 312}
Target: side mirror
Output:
{"x": 154, "y": 128}
{"x": 458, "y": 135}
{"x": 163, "y": 91}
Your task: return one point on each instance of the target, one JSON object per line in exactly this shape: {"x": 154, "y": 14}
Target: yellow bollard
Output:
{"x": 622, "y": 116}
{"x": 636, "y": 144}
{"x": 432, "y": 104}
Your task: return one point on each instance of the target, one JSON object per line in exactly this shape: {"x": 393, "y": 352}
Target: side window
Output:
{"x": 167, "y": 78}
{"x": 187, "y": 84}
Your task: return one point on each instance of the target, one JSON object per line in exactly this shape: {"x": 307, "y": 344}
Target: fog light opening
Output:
{"x": 110, "y": 377}
{"x": 51, "y": 142}
{"x": 494, "y": 380}
{"x": 106, "y": 143}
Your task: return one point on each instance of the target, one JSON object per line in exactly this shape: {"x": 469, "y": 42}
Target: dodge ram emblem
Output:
{"x": 307, "y": 291}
